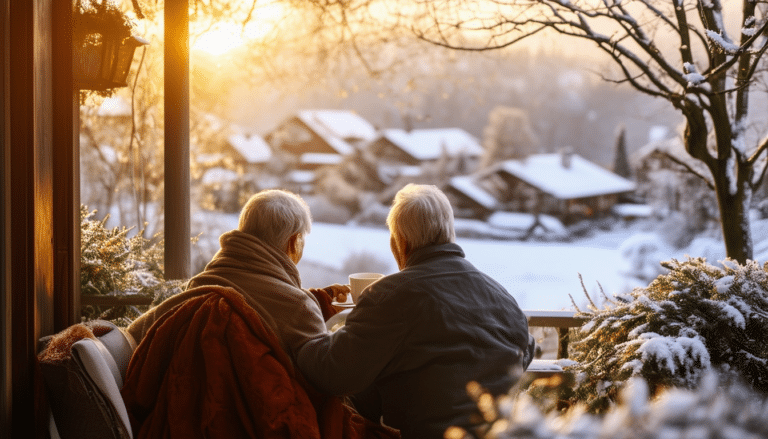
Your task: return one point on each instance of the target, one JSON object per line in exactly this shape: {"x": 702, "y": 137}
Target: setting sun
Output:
{"x": 226, "y": 36}
{"x": 220, "y": 40}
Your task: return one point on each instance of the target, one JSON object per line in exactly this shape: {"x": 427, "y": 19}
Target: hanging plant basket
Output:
{"x": 103, "y": 45}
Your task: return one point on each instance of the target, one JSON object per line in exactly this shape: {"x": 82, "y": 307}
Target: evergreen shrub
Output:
{"x": 712, "y": 410}
{"x": 695, "y": 319}
{"x": 112, "y": 263}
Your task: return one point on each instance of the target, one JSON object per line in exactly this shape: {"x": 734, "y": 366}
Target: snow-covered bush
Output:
{"x": 713, "y": 410}
{"x": 692, "y": 320}
{"x": 112, "y": 263}
{"x": 641, "y": 254}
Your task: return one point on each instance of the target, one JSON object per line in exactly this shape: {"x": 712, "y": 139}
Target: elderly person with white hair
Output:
{"x": 418, "y": 337}
{"x": 258, "y": 259}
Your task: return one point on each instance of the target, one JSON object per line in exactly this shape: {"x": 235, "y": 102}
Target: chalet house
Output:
{"x": 318, "y": 138}
{"x": 468, "y": 199}
{"x": 249, "y": 153}
{"x": 662, "y": 173}
{"x": 116, "y": 107}
{"x": 417, "y": 147}
{"x": 563, "y": 185}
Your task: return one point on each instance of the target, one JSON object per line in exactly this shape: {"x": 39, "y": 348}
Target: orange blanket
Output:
{"x": 210, "y": 368}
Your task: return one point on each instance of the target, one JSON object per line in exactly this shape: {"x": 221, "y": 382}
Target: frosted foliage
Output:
{"x": 694, "y": 319}
{"x": 722, "y": 43}
{"x": 710, "y": 411}
{"x": 676, "y": 354}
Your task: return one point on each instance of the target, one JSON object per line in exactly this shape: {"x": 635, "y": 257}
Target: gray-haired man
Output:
{"x": 417, "y": 337}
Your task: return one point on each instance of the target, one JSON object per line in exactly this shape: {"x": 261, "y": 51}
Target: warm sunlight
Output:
{"x": 221, "y": 39}
{"x": 226, "y": 36}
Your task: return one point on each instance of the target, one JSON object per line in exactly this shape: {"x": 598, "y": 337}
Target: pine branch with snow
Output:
{"x": 715, "y": 409}
{"x": 692, "y": 320}
{"x": 112, "y": 263}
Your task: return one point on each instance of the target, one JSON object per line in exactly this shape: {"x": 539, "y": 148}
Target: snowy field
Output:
{"x": 538, "y": 275}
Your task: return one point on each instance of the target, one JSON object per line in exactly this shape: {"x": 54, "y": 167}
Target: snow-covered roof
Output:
{"x": 633, "y": 210}
{"x": 466, "y": 185}
{"x": 115, "y": 106}
{"x": 301, "y": 176}
{"x": 523, "y": 221}
{"x": 581, "y": 179}
{"x": 209, "y": 158}
{"x": 388, "y": 173}
{"x": 338, "y": 127}
{"x": 429, "y": 144}
{"x": 109, "y": 153}
{"x": 253, "y": 148}
{"x": 317, "y": 158}
{"x": 673, "y": 147}
{"x": 219, "y": 175}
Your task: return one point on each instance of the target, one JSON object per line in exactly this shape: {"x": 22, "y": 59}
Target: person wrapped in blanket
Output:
{"x": 417, "y": 338}
{"x": 240, "y": 321}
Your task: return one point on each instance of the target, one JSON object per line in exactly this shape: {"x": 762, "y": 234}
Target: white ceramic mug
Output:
{"x": 358, "y": 282}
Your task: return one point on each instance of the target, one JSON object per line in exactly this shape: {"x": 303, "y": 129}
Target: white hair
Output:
{"x": 421, "y": 215}
{"x": 274, "y": 216}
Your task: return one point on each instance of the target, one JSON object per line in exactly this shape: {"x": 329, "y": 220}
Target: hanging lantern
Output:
{"x": 103, "y": 46}
{"x": 104, "y": 64}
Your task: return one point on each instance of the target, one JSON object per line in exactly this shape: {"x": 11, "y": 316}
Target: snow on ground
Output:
{"x": 539, "y": 275}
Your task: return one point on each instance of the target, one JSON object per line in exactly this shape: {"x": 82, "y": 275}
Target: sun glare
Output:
{"x": 227, "y": 36}
{"x": 220, "y": 40}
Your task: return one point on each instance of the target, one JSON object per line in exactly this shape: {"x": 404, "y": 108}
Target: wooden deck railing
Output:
{"x": 562, "y": 321}
{"x": 109, "y": 300}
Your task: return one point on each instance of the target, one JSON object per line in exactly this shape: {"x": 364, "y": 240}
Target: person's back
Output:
{"x": 458, "y": 326}
{"x": 418, "y": 337}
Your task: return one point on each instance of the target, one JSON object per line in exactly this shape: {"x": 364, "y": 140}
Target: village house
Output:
{"x": 318, "y": 138}
{"x": 670, "y": 181}
{"x": 248, "y": 152}
{"x": 564, "y": 185}
{"x": 468, "y": 199}
{"x": 422, "y": 146}
{"x": 664, "y": 172}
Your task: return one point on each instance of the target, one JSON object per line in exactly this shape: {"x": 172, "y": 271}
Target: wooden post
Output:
{"x": 177, "y": 209}
{"x": 66, "y": 172}
{"x": 562, "y": 342}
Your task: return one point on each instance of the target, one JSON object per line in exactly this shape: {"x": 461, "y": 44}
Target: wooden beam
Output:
{"x": 554, "y": 319}
{"x": 177, "y": 207}
{"x": 6, "y": 327}
{"x": 66, "y": 172}
{"x": 121, "y": 300}
{"x": 30, "y": 187}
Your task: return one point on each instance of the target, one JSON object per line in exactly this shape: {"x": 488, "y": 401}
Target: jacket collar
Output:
{"x": 433, "y": 251}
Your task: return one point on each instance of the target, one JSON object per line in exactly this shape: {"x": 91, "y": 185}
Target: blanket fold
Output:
{"x": 210, "y": 368}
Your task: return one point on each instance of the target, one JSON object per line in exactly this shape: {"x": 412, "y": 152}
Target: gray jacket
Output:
{"x": 416, "y": 338}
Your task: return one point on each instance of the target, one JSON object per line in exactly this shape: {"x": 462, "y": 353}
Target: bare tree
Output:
{"x": 703, "y": 57}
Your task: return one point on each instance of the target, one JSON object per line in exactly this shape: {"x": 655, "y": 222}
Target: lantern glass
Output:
{"x": 88, "y": 61}
{"x": 124, "y": 59}
{"x": 103, "y": 63}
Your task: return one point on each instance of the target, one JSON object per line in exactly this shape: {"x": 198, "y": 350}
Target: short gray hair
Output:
{"x": 422, "y": 215}
{"x": 274, "y": 216}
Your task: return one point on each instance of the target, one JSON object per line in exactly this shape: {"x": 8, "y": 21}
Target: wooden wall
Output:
{"x": 35, "y": 132}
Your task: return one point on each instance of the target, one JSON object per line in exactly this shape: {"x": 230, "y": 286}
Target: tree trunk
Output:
{"x": 734, "y": 213}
